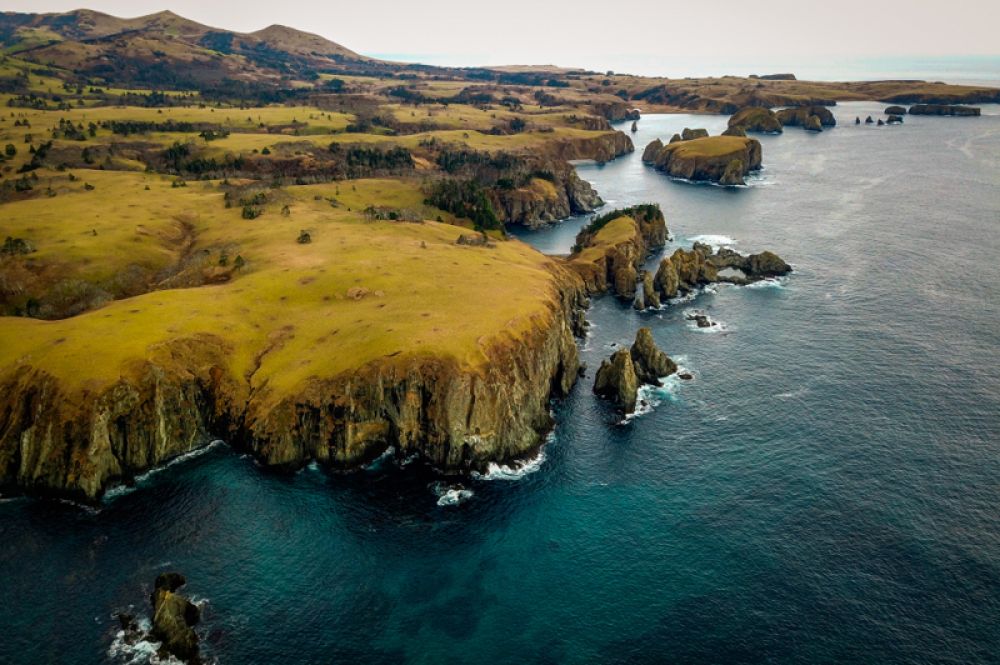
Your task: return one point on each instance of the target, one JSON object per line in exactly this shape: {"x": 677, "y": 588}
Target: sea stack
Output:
{"x": 618, "y": 378}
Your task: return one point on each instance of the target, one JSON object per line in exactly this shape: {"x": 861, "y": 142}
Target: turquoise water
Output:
{"x": 826, "y": 490}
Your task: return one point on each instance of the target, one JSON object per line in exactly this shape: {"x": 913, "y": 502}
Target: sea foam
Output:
{"x": 518, "y": 468}
{"x": 122, "y": 489}
{"x": 450, "y": 495}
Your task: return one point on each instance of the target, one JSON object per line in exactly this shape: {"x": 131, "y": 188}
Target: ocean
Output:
{"x": 826, "y": 489}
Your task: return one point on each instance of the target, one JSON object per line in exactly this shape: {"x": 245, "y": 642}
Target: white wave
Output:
{"x": 119, "y": 490}
{"x": 453, "y": 497}
{"x": 767, "y": 283}
{"x": 715, "y": 241}
{"x": 517, "y": 469}
{"x": 450, "y": 494}
{"x": 313, "y": 466}
{"x": 137, "y": 648}
{"x": 692, "y": 324}
{"x": 794, "y": 393}
{"x": 116, "y": 491}
{"x": 650, "y": 396}
{"x": 380, "y": 460}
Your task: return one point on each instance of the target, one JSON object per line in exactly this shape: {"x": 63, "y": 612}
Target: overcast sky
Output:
{"x": 600, "y": 34}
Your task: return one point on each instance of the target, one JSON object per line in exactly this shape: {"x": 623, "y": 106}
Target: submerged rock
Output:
{"x": 894, "y": 120}
{"x": 701, "y": 320}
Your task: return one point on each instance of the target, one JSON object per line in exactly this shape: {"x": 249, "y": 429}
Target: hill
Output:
{"x": 166, "y": 49}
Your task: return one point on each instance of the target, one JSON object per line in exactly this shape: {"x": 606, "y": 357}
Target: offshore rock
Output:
{"x": 733, "y": 175}
{"x": 944, "y": 109}
{"x": 619, "y": 377}
{"x": 616, "y": 380}
{"x": 799, "y": 116}
{"x": 174, "y": 619}
{"x": 691, "y": 134}
{"x": 812, "y": 124}
{"x": 756, "y": 119}
{"x": 651, "y": 364}
{"x": 707, "y": 159}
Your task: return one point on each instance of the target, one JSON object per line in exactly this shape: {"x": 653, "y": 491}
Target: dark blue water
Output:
{"x": 827, "y": 489}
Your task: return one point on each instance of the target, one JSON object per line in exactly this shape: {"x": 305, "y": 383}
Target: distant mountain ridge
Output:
{"x": 165, "y": 48}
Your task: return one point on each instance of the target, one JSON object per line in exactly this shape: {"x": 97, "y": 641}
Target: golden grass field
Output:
{"x": 415, "y": 291}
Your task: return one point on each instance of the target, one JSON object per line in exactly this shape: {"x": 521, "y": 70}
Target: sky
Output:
{"x": 663, "y": 35}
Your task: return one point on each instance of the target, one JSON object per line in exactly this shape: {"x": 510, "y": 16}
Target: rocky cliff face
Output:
{"x": 543, "y": 201}
{"x": 756, "y": 119}
{"x": 687, "y": 270}
{"x": 601, "y": 148}
{"x": 722, "y": 159}
{"x": 813, "y": 118}
{"x": 561, "y": 192}
{"x": 71, "y": 441}
{"x": 942, "y": 109}
{"x": 611, "y": 249}
{"x": 618, "y": 378}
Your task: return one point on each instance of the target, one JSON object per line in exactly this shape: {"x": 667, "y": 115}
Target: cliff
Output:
{"x": 618, "y": 378}
{"x": 609, "y": 252}
{"x": 602, "y": 147}
{"x": 720, "y": 159}
{"x": 944, "y": 109}
{"x": 813, "y": 118}
{"x": 756, "y": 119}
{"x": 686, "y": 270}
{"x": 301, "y": 370}
{"x": 546, "y": 200}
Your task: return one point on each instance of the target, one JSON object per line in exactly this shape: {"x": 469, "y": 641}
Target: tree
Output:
{"x": 10, "y": 150}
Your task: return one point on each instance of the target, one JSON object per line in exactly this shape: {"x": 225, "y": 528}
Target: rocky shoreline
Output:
{"x": 75, "y": 443}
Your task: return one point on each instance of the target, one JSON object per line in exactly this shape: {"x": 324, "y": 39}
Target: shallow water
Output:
{"x": 827, "y": 488}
